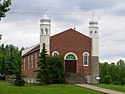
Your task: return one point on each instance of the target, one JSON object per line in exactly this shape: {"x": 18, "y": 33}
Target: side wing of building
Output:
{"x": 29, "y": 64}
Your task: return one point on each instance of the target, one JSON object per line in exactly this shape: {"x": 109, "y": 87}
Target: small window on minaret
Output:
{"x": 46, "y": 31}
{"x": 95, "y": 31}
{"x": 42, "y": 31}
{"x": 90, "y": 32}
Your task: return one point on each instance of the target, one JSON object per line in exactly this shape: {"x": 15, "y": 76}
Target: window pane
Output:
{"x": 85, "y": 59}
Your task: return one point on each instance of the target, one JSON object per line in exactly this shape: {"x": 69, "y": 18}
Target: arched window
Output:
{"x": 46, "y": 31}
{"x": 85, "y": 59}
{"x": 55, "y": 54}
{"x": 90, "y": 32}
{"x": 95, "y": 31}
{"x": 70, "y": 56}
{"x": 42, "y": 31}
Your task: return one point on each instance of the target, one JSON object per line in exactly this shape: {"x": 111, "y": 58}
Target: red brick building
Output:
{"x": 80, "y": 52}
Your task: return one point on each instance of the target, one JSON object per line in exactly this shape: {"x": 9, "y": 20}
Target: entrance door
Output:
{"x": 70, "y": 66}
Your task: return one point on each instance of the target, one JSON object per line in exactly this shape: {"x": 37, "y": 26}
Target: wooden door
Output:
{"x": 70, "y": 66}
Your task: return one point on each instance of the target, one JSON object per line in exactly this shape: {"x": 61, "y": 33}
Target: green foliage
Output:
{"x": 44, "y": 75}
{"x": 10, "y": 62}
{"x": 9, "y": 58}
{"x": 115, "y": 71}
{"x": 107, "y": 79}
{"x": 51, "y": 70}
{"x": 19, "y": 82}
{"x": 123, "y": 81}
{"x": 57, "y": 70}
{"x": 4, "y": 7}
{"x": 18, "y": 74}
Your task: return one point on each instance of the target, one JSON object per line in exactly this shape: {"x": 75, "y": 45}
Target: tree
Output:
{"x": 104, "y": 70}
{"x": 10, "y": 59}
{"x": 114, "y": 73}
{"x": 57, "y": 70}
{"x": 18, "y": 74}
{"x": 51, "y": 70}
{"x": 4, "y": 7}
{"x": 44, "y": 75}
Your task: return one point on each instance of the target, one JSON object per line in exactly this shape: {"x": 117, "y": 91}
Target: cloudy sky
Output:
{"x": 21, "y": 25}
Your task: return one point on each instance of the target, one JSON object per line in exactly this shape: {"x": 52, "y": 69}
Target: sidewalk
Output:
{"x": 99, "y": 89}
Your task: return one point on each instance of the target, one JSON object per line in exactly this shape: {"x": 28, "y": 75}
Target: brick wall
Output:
{"x": 29, "y": 72}
{"x": 73, "y": 41}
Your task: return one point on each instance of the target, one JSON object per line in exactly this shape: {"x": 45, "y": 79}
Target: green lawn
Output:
{"x": 8, "y": 88}
{"x": 112, "y": 87}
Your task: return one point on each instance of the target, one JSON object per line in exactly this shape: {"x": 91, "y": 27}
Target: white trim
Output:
{"x": 85, "y": 53}
{"x": 87, "y": 58}
{"x": 70, "y": 53}
{"x": 55, "y": 52}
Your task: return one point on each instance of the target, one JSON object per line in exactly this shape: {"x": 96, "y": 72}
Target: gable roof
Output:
{"x": 68, "y": 31}
{"x": 30, "y": 50}
{"x": 37, "y": 46}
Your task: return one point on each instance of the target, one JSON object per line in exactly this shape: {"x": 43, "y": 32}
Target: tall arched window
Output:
{"x": 85, "y": 59}
{"x": 46, "y": 31}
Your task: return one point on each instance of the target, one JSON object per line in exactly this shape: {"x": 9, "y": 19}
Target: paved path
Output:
{"x": 99, "y": 89}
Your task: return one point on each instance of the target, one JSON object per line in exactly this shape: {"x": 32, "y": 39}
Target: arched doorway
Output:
{"x": 70, "y": 62}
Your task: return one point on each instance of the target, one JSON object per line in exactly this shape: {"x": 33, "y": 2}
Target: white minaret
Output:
{"x": 45, "y": 30}
{"x": 94, "y": 34}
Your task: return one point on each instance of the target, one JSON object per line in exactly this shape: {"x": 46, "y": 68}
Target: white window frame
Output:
{"x": 87, "y": 59}
{"x": 55, "y": 52}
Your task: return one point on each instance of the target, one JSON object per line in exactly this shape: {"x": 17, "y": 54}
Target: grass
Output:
{"x": 112, "y": 87}
{"x": 8, "y": 88}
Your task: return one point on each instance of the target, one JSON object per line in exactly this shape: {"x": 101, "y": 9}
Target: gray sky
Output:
{"x": 21, "y": 25}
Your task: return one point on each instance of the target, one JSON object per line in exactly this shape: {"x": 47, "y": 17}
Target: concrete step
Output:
{"x": 75, "y": 78}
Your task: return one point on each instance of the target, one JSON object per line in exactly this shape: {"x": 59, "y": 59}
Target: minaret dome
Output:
{"x": 45, "y": 20}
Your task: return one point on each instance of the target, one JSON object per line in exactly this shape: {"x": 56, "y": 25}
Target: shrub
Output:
{"x": 107, "y": 79}
{"x": 20, "y": 82}
{"x": 116, "y": 83}
{"x": 123, "y": 81}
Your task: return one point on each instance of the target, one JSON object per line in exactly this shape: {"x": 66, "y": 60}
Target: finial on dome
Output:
{"x": 45, "y": 19}
{"x": 92, "y": 22}
{"x": 45, "y": 16}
